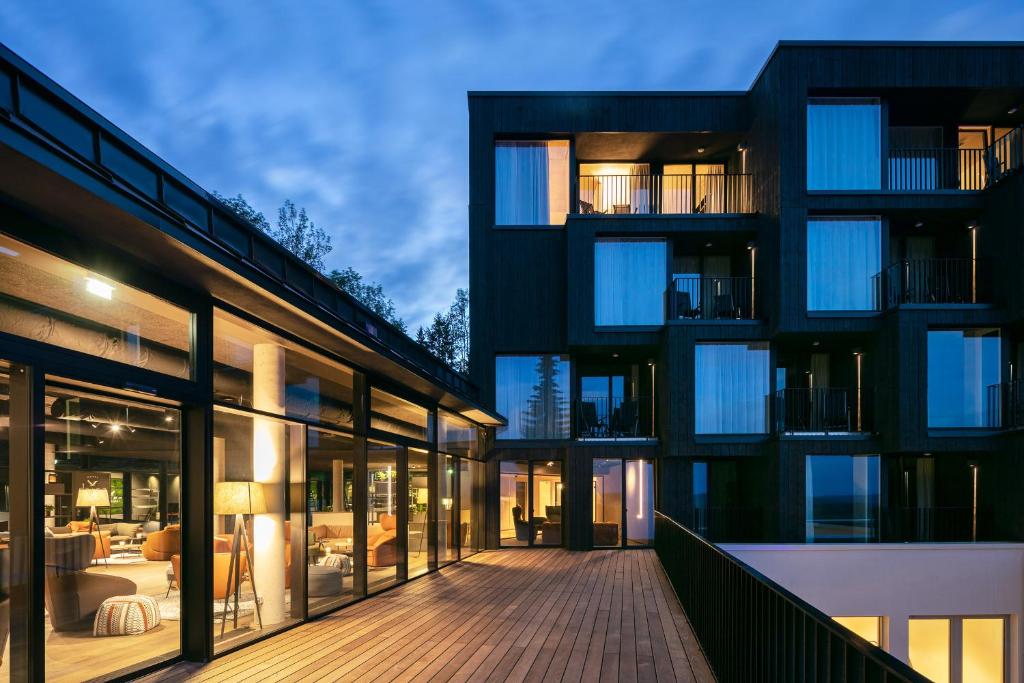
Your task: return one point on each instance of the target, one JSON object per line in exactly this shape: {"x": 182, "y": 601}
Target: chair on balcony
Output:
{"x": 684, "y": 306}
{"x": 629, "y": 419}
{"x": 724, "y": 307}
{"x": 702, "y": 206}
{"x": 590, "y": 426}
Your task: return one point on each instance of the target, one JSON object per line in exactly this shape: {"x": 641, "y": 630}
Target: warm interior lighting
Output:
{"x": 446, "y": 503}
{"x": 868, "y": 628}
{"x": 700, "y": 150}
{"x": 929, "y": 648}
{"x": 239, "y": 498}
{"x": 88, "y": 498}
{"x": 640, "y": 492}
{"x": 99, "y": 288}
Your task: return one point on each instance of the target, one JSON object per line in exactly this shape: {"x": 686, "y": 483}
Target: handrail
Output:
{"x": 822, "y": 409}
{"x": 611, "y": 417}
{"x": 701, "y": 193}
{"x": 752, "y": 629}
{"x": 699, "y": 297}
{"x": 936, "y": 281}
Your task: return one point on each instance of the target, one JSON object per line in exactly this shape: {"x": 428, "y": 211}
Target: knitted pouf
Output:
{"x": 339, "y": 560}
{"x": 126, "y": 615}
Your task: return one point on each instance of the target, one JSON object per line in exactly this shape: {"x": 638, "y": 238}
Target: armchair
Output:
{"x": 160, "y": 545}
{"x": 382, "y": 544}
{"x": 72, "y": 595}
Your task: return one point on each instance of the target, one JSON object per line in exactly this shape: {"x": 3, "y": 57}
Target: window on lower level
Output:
{"x": 532, "y": 392}
{"x": 842, "y": 498}
{"x": 959, "y": 649}
{"x": 531, "y": 182}
{"x": 868, "y": 628}
{"x": 963, "y": 377}
{"x": 844, "y": 255}
{"x": 732, "y": 384}
{"x": 630, "y": 277}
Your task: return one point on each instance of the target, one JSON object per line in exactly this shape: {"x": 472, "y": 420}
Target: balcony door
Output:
{"x": 531, "y": 503}
{"x": 622, "y": 502}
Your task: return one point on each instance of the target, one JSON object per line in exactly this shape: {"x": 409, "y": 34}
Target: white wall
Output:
{"x": 900, "y": 580}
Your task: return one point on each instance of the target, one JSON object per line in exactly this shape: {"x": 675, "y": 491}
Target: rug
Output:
{"x": 170, "y": 607}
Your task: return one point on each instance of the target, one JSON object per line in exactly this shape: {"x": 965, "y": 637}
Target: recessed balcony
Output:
{"x": 936, "y": 281}
{"x": 681, "y": 191}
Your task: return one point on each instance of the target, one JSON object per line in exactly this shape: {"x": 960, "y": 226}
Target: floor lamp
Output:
{"x": 239, "y": 498}
{"x": 93, "y": 498}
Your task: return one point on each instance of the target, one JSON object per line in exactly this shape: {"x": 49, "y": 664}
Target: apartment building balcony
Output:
{"x": 823, "y": 411}
{"x": 665, "y": 194}
{"x": 693, "y": 297}
{"x": 936, "y": 281}
{"x": 1005, "y": 405}
{"x": 611, "y": 418}
{"x": 975, "y": 165}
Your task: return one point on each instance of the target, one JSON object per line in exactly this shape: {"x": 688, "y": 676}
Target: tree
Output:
{"x": 447, "y": 336}
{"x": 370, "y": 294}
{"x": 299, "y": 235}
{"x": 241, "y": 208}
{"x": 545, "y": 416}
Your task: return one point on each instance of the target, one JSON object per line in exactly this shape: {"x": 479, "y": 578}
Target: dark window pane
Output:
{"x": 532, "y": 392}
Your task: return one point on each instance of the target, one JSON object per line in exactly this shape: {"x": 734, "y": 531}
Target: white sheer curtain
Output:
{"x": 521, "y": 189}
{"x": 844, "y": 143}
{"x": 630, "y": 278}
{"x": 843, "y": 256}
{"x": 732, "y": 387}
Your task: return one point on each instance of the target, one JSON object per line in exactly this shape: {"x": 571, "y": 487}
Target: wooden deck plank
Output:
{"x": 516, "y": 615}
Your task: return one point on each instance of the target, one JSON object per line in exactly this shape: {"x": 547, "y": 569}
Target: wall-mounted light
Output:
{"x": 99, "y": 288}
{"x": 742, "y": 147}
{"x": 815, "y": 343}
{"x": 707, "y": 244}
{"x": 750, "y": 246}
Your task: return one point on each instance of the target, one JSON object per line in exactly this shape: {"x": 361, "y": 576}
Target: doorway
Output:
{"x": 531, "y": 503}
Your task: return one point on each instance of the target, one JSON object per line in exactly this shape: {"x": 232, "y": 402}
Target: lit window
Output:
{"x": 868, "y": 628}
{"x": 531, "y": 182}
{"x": 732, "y": 388}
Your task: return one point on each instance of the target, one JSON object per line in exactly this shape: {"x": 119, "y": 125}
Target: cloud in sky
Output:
{"x": 358, "y": 110}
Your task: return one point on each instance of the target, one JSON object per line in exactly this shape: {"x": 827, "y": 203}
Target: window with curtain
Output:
{"x": 531, "y": 182}
{"x": 842, "y": 498}
{"x": 630, "y": 277}
{"x": 732, "y": 386}
{"x": 843, "y": 257}
{"x": 963, "y": 369}
{"x": 532, "y": 392}
{"x": 844, "y": 144}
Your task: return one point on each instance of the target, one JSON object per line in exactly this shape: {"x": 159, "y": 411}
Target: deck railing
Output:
{"x": 611, "y": 417}
{"x": 822, "y": 410}
{"x": 937, "y": 168}
{"x": 712, "y": 298}
{"x": 665, "y": 194}
{"x": 1006, "y": 155}
{"x": 752, "y": 629}
{"x": 937, "y": 281}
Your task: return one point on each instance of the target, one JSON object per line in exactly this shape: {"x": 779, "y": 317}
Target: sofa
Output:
{"x": 121, "y": 531}
{"x": 606, "y": 534}
{"x": 382, "y": 542}
{"x": 71, "y": 594}
{"x": 102, "y": 548}
{"x": 160, "y": 545}
{"x": 551, "y": 533}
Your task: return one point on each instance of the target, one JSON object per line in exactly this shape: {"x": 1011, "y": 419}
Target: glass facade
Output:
{"x": 531, "y": 182}
{"x": 546, "y": 493}
{"x": 382, "y": 484}
{"x": 732, "y": 385}
{"x": 963, "y": 371}
{"x": 842, "y": 498}
{"x": 844, "y": 144}
{"x": 630, "y": 279}
{"x": 446, "y": 550}
{"x": 418, "y": 537}
{"x": 389, "y": 413}
{"x": 515, "y": 525}
{"x": 844, "y": 256}
{"x": 471, "y": 494}
{"x": 532, "y": 392}
{"x": 330, "y": 512}
{"x": 622, "y": 502}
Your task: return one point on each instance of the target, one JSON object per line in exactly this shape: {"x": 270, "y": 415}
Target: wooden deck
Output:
{"x": 514, "y": 615}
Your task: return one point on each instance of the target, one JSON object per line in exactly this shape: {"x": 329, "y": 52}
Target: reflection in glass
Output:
{"x": 455, "y": 435}
{"x": 639, "y": 502}
{"x": 533, "y": 393}
{"x": 398, "y": 416}
{"x": 531, "y": 182}
{"x": 419, "y": 500}
{"x": 381, "y": 515}
{"x": 929, "y": 648}
{"x": 842, "y": 498}
{"x": 124, "y": 457}
{"x": 471, "y": 491}
{"x": 844, "y": 144}
{"x": 50, "y": 300}
{"x": 547, "y": 502}
{"x": 630, "y": 277}
{"x": 843, "y": 257}
{"x": 607, "y": 502}
{"x": 963, "y": 365}
{"x": 732, "y": 388}
{"x": 446, "y": 551}
{"x": 514, "y": 515}
{"x": 330, "y": 472}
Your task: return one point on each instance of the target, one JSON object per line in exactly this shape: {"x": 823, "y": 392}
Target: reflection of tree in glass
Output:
{"x": 545, "y": 416}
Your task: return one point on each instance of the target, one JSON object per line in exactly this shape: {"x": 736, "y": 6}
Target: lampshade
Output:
{"x": 90, "y": 497}
{"x": 239, "y": 498}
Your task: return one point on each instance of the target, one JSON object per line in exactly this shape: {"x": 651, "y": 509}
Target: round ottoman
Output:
{"x": 323, "y": 581}
{"x": 126, "y": 615}
{"x": 339, "y": 560}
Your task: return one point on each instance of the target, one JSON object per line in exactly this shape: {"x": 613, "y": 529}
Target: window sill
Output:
{"x": 843, "y": 314}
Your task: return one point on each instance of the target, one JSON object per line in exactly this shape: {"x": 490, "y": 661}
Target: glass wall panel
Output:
{"x": 471, "y": 495}
{"x": 455, "y": 435}
{"x": 396, "y": 415}
{"x": 842, "y": 499}
{"x": 418, "y": 544}
{"x": 50, "y": 300}
{"x": 639, "y": 502}
{"x": 330, "y": 508}
{"x": 844, "y": 144}
{"x": 607, "y": 502}
{"x": 732, "y": 388}
{"x": 701, "y": 509}
{"x": 929, "y": 648}
{"x": 984, "y": 644}
{"x": 630, "y": 278}
{"x": 962, "y": 366}
{"x": 110, "y": 466}
{"x": 533, "y": 393}
{"x": 315, "y": 388}
{"x": 547, "y": 502}
{"x": 8, "y": 497}
{"x": 252, "y": 459}
{"x": 446, "y": 549}
{"x": 531, "y": 182}
{"x": 381, "y": 515}
{"x": 868, "y": 628}
{"x": 843, "y": 257}
{"x": 515, "y": 527}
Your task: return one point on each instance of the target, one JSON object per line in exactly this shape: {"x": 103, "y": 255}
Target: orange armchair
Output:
{"x": 102, "y": 538}
{"x": 221, "y": 564}
{"x": 382, "y": 546}
{"x": 161, "y": 545}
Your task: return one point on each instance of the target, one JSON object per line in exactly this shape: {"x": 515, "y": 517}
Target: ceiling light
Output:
{"x": 115, "y": 427}
{"x": 551, "y": 463}
{"x": 615, "y": 355}
{"x": 700, "y": 150}
{"x": 99, "y": 288}
{"x": 919, "y": 224}
{"x": 8, "y": 252}
{"x": 741, "y": 147}
{"x": 707, "y": 244}
{"x": 815, "y": 343}
{"x": 1011, "y": 111}
{"x": 168, "y": 418}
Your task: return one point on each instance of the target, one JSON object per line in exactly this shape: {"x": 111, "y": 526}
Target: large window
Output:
{"x": 50, "y": 300}
{"x": 959, "y": 649}
{"x": 455, "y": 435}
{"x": 446, "y": 550}
{"x": 531, "y": 503}
{"x": 842, "y": 499}
{"x": 330, "y": 512}
{"x": 622, "y": 500}
{"x": 630, "y": 277}
{"x": 532, "y": 392}
{"x": 382, "y": 484}
{"x": 514, "y": 512}
{"x": 732, "y": 388}
{"x": 418, "y": 543}
{"x": 844, "y": 144}
{"x": 396, "y": 415}
{"x": 868, "y": 628}
{"x": 471, "y": 494}
{"x": 531, "y": 182}
{"x": 963, "y": 365}
{"x": 843, "y": 257}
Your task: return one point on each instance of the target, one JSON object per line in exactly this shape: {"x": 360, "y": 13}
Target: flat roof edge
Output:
{"x": 606, "y": 93}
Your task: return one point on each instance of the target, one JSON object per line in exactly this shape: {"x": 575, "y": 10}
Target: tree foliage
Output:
{"x": 447, "y": 336}
{"x": 370, "y": 293}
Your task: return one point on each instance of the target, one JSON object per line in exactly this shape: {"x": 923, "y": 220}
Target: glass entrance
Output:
{"x": 622, "y": 502}
{"x": 531, "y": 503}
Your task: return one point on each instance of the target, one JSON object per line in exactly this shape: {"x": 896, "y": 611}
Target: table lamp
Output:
{"x": 239, "y": 498}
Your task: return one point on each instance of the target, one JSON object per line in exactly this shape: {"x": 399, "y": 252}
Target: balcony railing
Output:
{"x": 1005, "y": 405}
{"x": 752, "y": 629}
{"x": 936, "y": 281}
{"x": 937, "y": 524}
{"x": 937, "y": 168}
{"x": 712, "y": 298}
{"x": 666, "y": 194}
{"x": 611, "y": 417}
{"x": 823, "y": 410}
{"x": 1006, "y": 155}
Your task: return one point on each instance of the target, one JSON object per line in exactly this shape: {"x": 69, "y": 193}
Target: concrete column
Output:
{"x": 268, "y": 466}
{"x": 338, "y": 485}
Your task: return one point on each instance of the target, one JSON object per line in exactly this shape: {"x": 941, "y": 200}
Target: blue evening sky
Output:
{"x": 357, "y": 110}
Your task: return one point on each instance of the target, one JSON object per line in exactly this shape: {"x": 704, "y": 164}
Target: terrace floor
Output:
{"x": 512, "y": 615}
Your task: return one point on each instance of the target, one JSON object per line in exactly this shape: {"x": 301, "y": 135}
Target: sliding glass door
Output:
{"x": 531, "y": 503}
{"x": 622, "y": 502}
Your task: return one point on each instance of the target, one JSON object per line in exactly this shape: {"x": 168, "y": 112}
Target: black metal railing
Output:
{"x": 611, "y": 417}
{"x": 666, "y": 194}
{"x": 937, "y": 168}
{"x": 712, "y": 298}
{"x": 822, "y": 410}
{"x": 1005, "y": 405}
{"x": 1005, "y": 155}
{"x": 964, "y": 524}
{"x": 752, "y": 629}
{"x": 728, "y": 524}
{"x": 937, "y": 281}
